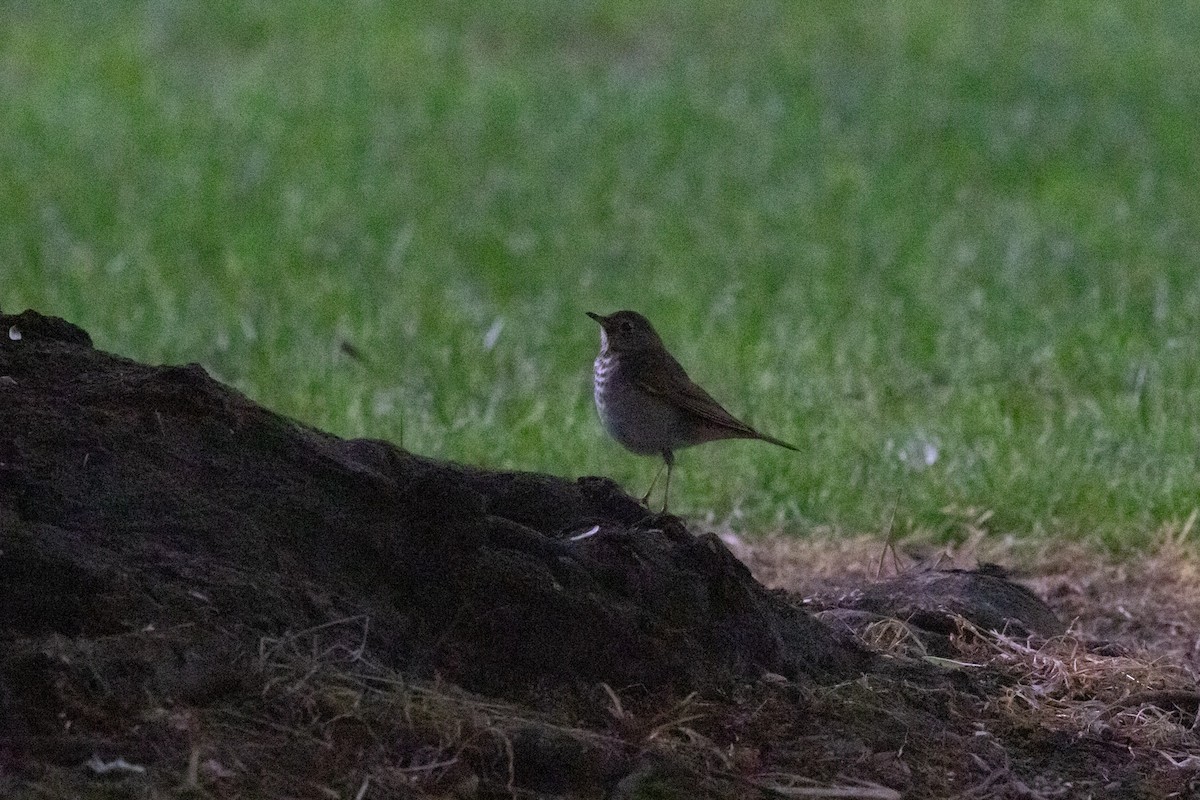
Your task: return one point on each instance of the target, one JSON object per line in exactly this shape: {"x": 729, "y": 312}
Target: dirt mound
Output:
{"x": 174, "y": 557}
{"x": 138, "y": 495}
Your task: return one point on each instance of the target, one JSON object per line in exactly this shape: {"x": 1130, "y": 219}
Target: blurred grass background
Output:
{"x": 948, "y": 249}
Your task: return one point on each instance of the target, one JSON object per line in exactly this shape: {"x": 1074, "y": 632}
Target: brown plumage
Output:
{"x": 646, "y": 400}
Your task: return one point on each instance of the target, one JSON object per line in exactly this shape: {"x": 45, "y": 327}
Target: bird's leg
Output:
{"x": 669, "y": 460}
{"x": 653, "y": 483}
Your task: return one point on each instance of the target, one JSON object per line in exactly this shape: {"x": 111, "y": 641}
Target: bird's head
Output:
{"x": 626, "y": 332}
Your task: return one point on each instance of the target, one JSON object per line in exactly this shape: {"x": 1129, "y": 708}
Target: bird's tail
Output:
{"x": 773, "y": 440}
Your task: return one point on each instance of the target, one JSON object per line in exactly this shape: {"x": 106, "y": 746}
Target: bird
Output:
{"x": 647, "y": 402}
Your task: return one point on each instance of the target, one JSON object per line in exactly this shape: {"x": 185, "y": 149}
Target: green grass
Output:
{"x": 865, "y": 227}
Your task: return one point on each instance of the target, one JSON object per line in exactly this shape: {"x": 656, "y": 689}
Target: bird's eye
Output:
{"x": 627, "y": 326}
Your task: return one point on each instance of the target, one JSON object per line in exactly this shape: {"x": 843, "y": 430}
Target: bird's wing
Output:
{"x": 668, "y": 380}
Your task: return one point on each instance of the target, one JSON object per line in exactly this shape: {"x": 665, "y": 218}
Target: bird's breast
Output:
{"x": 639, "y": 421}
{"x": 602, "y": 373}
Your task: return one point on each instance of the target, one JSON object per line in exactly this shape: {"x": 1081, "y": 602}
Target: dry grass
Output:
{"x": 1125, "y": 671}
{"x": 320, "y": 717}
{"x": 1143, "y": 599}
{"x": 448, "y": 743}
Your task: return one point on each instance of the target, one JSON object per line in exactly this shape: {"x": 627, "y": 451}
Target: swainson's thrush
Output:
{"x": 646, "y": 400}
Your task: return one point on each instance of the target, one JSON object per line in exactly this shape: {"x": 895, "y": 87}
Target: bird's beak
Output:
{"x": 596, "y": 317}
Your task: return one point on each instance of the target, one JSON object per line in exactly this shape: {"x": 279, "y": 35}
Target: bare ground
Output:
{"x": 1108, "y": 709}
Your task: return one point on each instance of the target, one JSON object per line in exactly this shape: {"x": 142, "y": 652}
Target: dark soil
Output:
{"x": 239, "y": 605}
